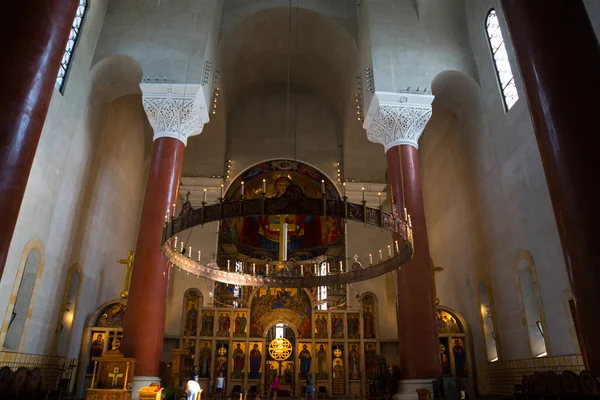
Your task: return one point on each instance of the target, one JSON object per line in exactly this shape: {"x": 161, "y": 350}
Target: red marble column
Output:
{"x": 35, "y": 35}
{"x": 417, "y": 332}
{"x": 559, "y": 59}
{"x": 144, "y": 327}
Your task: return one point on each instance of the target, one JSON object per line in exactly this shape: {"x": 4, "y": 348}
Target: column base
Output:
{"x": 407, "y": 389}
{"x": 141, "y": 381}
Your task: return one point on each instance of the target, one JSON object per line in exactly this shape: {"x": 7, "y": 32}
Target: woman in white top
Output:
{"x": 193, "y": 389}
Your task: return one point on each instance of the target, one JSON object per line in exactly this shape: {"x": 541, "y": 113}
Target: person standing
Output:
{"x": 194, "y": 375}
{"x": 275, "y": 386}
{"x": 193, "y": 390}
{"x": 220, "y": 385}
{"x": 310, "y": 388}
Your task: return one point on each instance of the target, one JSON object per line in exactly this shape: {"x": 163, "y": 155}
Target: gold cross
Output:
{"x": 115, "y": 375}
{"x": 435, "y": 269}
{"x": 129, "y": 262}
{"x": 337, "y": 352}
{"x": 282, "y": 235}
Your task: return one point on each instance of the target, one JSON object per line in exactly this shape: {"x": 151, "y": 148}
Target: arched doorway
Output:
{"x": 455, "y": 347}
{"x": 280, "y": 357}
{"x": 98, "y": 336}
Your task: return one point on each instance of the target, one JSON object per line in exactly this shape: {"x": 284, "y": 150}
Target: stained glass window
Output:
{"x": 66, "y": 60}
{"x": 503, "y": 70}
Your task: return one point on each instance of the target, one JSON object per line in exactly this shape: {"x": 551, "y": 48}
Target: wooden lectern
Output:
{"x": 113, "y": 375}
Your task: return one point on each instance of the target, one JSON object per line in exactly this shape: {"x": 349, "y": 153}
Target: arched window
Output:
{"x": 30, "y": 270}
{"x": 67, "y": 313}
{"x": 322, "y": 290}
{"x": 487, "y": 320}
{"x": 503, "y": 70}
{"x": 531, "y": 303}
{"x": 73, "y": 36}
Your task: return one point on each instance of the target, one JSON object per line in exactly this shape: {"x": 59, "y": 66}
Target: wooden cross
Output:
{"x": 129, "y": 262}
{"x": 435, "y": 269}
{"x": 115, "y": 375}
{"x": 283, "y": 229}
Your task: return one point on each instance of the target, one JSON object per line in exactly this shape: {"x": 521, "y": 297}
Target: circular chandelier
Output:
{"x": 292, "y": 202}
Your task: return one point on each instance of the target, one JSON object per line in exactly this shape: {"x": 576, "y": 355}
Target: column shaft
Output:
{"x": 415, "y": 300}
{"x": 144, "y": 327}
{"x": 559, "y": 59}
{"x": 35, "y": 36}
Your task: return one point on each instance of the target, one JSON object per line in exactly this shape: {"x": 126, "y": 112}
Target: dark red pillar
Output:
{"x": 559, "y": 59}
{"x": 144, "y": 327}
{"x": 417, "y": 332}
{"x": 34, "y": 37}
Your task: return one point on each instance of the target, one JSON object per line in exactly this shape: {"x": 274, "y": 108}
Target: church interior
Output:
{"x": 285, "y": 198}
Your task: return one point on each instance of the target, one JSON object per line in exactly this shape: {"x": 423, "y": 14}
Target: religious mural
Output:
{"x": 222, "y": 354}
{"x": 255, "y": 360}
{"x": 307, "y": 234}
{"x": 445, "y": 356}
{"x": 271, "y": 305}
{"x": 112, "y": 316}
{"x": 192, "y": 306}
{"x": 98, "y": 339}
{"x": 337, "y": 367}
{"x": 223, "y": 324}
{"x": 240, "y": 323}
{"x": 190, "y": 358}
{"x": 354, "y": 362}
{"x": 460, "y": 358}
{"x": 321, "y": 326}
{"x": 207, "y": 323}
{"x": 353, "y": 326}
{"x": 368, "y": 305}
{"x": 238, "y": 360}
{"x": 204, "y": 360}
{"x": 286, "y": 374}
{"x": 446, "y": 323}
{"x": 321, "y": 373}
{"x": 305, "y": 360}
{"x": 370, "y": 361}
{"x": 337, "y": 326}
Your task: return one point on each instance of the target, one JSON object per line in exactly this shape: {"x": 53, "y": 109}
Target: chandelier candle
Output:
{"x": 389, "y": 250}
{"x": 264, "y": 186}
{"x": 204, "y": 198}
{"x": 242, "y": 190}
{"x": 199, "y": 255}
{"x": 380, "y": 256}
{"x": 370, "y": 258}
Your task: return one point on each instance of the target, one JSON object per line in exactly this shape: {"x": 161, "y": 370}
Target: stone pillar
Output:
{"x": 397, "y": 120}
{"x": 559, "y": 59}
{"x": 36, "y": 34}
{"x": 175, "y": 113}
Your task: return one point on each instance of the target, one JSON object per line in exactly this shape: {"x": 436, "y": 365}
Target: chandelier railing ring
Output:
{"x": 293, "y": 201}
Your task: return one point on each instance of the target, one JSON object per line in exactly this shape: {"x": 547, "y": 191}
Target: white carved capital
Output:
{"x": 397, "y": 118}
{"x": 175, "y": 110}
